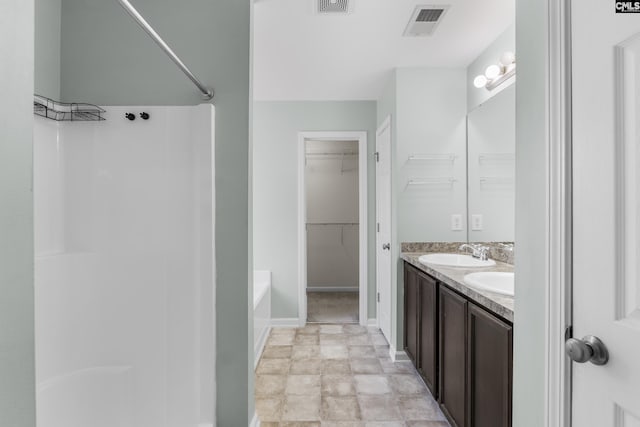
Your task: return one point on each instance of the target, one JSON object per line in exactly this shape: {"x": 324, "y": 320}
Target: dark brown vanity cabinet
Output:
{"x": 453, "y": 356}
{"x": 463, "y": 352}
{"x": 420, "y": 320}
{"x": 489, "y": 370}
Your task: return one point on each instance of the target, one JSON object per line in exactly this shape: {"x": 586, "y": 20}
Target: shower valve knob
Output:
{"x": 144, "y": 115}
{"x": 130, "y": 116}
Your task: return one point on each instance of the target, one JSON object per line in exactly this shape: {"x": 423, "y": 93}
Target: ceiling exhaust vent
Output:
{"x": 424, "y": 20}
{"x": 333, "y": 6}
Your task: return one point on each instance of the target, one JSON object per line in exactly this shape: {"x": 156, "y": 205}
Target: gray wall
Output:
{"x": 47, "y": 47}
{"x": 491, "y": 55}
{"x": 17, "y": 365}
{"x": 531, "y": 213}
{"x": 275, "y": 196}
{"x": 107, "y": 59}
{"x": 428, "y": 110}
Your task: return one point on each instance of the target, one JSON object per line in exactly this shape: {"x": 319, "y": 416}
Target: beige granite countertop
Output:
{"x": 502, "y": 305}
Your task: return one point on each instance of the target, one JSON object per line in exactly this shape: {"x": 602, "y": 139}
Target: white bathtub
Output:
{"x": 261, "y": 311}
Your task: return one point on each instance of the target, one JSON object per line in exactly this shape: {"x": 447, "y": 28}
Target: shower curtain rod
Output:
{"x": 207, "y": 93}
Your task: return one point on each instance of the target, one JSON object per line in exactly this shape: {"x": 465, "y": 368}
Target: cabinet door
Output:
{"x": 489, "y": 369}
{"x": 428, "y": 332}
{"x": 453, "y": 339}
{"x": 411, "y": 313}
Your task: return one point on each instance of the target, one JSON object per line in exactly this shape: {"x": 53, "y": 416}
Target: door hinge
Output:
{"x": 378, "y": 227}
{"x": 378, "y": 296}
{"x": 377, "y": 156}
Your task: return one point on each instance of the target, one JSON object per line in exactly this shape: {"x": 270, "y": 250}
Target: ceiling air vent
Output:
{"x": 333, "y": 6}
{"x": 424, "y": 20}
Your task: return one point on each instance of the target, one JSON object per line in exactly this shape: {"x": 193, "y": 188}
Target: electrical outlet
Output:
{"x": 476, "y": 222}
{"x": 456, "y": 222}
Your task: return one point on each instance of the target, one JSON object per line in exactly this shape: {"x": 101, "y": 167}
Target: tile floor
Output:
{"x": 332, "y": 375}
{"x": 332, "y": 307}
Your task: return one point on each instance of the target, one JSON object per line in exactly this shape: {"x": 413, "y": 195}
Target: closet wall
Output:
{"x": 332, "y": 215}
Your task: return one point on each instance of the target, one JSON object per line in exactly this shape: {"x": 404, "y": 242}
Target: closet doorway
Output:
{"x": 332, "y": 224}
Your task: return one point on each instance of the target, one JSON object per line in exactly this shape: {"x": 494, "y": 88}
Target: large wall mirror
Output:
{"x": 491, "y": 144}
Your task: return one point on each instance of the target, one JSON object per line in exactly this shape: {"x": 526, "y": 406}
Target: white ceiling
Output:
{"x": 300, "y": 55}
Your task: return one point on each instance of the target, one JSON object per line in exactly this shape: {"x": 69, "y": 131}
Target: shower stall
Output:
{"x": 125, "y": 270}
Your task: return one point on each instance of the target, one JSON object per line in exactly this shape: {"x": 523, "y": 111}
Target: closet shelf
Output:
{"x": 62, "y": 111}
{"x": 432, "y": 157}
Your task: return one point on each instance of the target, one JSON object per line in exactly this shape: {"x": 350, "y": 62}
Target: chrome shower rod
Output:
{"x": 207, "y": 93}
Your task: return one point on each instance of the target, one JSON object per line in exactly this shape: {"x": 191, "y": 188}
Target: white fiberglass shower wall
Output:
{"x": 125, "y": 269}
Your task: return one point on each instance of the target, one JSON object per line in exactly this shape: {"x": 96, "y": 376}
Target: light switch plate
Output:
{"x": 456, "y": 222}
{"x": 476, "y": 222}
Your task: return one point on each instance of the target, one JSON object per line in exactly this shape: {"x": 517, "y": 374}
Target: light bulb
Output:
{"x": 480, "y": 81}
{"x": 492, "y": 72}
{"x": 507, "y": 58}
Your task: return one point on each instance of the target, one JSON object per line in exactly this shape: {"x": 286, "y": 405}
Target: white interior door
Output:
{"x": 383, "y": 227}
{"x": 606, "y": 227}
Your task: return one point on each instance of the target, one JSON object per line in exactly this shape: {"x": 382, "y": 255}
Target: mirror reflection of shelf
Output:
{"x": 432, "y": 158}
{"x": 496, "y": 157}
{"x": 496, "y": 180}
{"x": 444, "y": 180}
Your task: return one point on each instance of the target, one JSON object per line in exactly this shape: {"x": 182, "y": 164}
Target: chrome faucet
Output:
{"x": 477, "y": 251}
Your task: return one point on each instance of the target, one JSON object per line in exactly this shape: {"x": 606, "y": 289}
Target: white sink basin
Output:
{"x": 455, "y": 260}
{"x": 500, "y": 283}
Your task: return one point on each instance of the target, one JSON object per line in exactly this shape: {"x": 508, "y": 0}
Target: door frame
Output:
{"x": 558, "y": 379}
{"x": 386, "y": 123}
{"x": 363, "y": 211}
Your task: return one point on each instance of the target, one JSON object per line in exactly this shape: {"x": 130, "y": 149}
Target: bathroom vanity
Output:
{"x": 460, "y": 340}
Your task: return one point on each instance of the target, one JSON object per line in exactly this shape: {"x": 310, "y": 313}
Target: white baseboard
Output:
{"x": 397, "y": 355}
{"x": 261, "y": 344}
{"x": 255, "y": 421}
{"x": 286, "y": 322}
{"x": 372, "y": 322}
{"x": 332, "y": 289}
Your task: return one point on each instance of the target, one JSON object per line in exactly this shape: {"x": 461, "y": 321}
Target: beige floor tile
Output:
{"x": 306, "y": 367}
{"x": 401, "y": 367}
{"x": 353, "y": 340}
{"x": 336, "y": 366}
{"x": 283, "y": 331}
{"x": 363, "y": 351}
{"x": 299, "y": 424}
{"x": 273, "y": 366}
{"x": 333, "y": 339}
{"x": 270, "y": 385}
{"x": 309, "y": 339}
{"x": 309, "y": 329}
{"x": 378, "y": 339}
{"x": 305, "y": 352}
{"x": 334, "y": 352}
{"x": 301, "y": 408}
{"x": 342, "y": 424}
{"x": 371, "y": 384}
{"x": 407, "y": 384}
{"x": 427, "y": 424}
{"x": 338, "y": 385}
{"x": 269, "y": 409}
{"x": 383, "y": 424}
{"x": 382, "y": 351}
{"x": 331, "y": 329}
{"x": 366, "y": 366}
{"x": 332, "y": 307}
{"x": 305, "y": 385}
{"x": 379, "y": 408}
{"x": 280, "y": 339}
{"x": 277, "y": 352}
{"x": 354, "y": 329}
{"x": 343, "y": 408}
{"x": 420, "y": 408}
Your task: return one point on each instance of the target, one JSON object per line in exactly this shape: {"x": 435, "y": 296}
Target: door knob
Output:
{"x": 588, "y": 349}
{"x": 386, "y": 246}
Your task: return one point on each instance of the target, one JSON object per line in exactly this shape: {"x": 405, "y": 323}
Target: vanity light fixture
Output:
{"x": 496, "y": 74}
